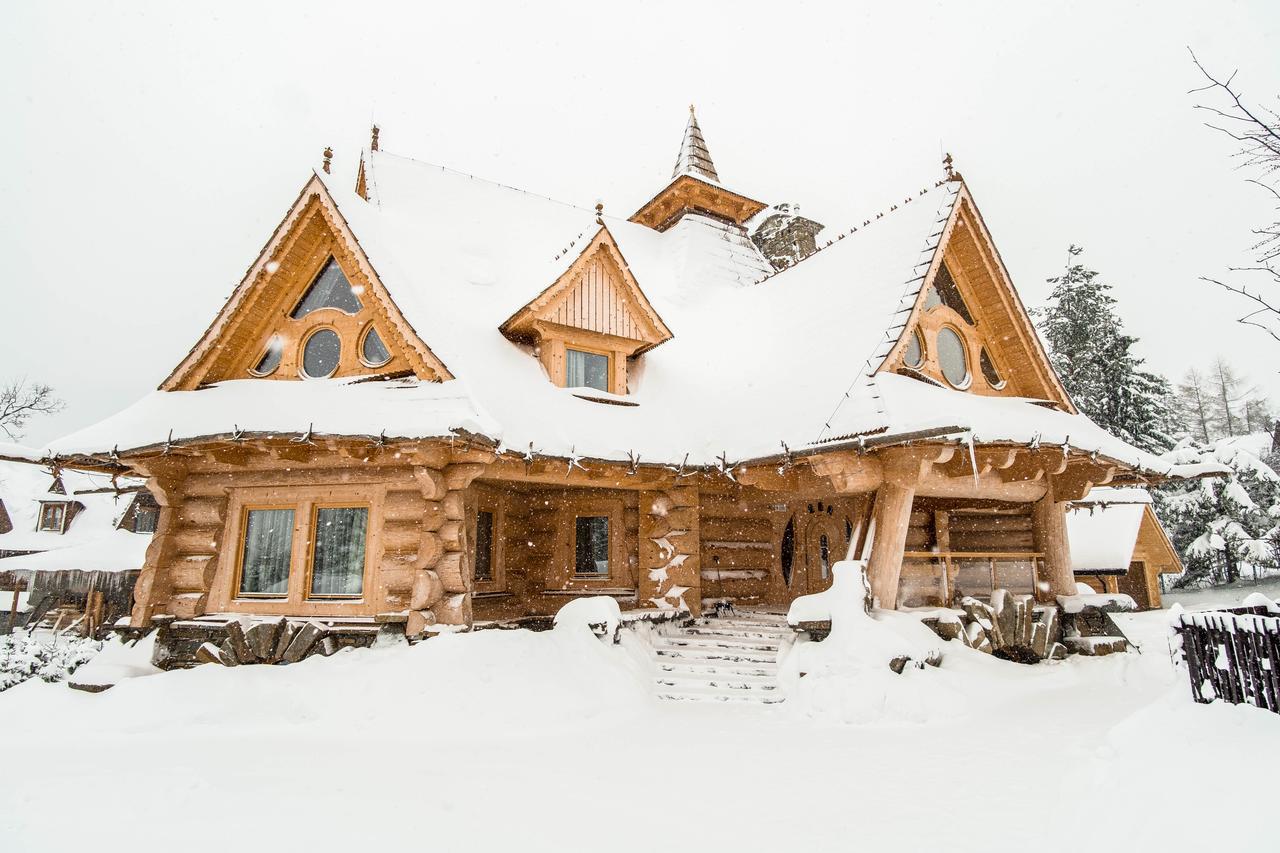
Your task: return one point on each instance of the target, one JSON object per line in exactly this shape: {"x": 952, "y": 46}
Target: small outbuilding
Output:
{"x": 1118, "y": 544}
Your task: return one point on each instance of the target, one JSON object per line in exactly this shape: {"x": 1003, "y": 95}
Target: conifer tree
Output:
{"x": 1096, "y": 361}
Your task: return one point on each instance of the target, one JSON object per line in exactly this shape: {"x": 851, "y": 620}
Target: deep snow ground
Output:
{"x": 542, "y": 742}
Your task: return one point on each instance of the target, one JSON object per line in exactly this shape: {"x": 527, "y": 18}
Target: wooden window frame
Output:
{"x": 555, "y": 340}
{"x": 567, "y": 516}
{"x": 242, "y": 531}
{"x": 224, "y": 592}
{"x": 65, "y": 506}
{"x": 316, "y": 506}
{"x": 364, "y": 335}
{"x": 966, "y": 347}
{"x": 494, "y": 503}
{"x": 588, "y": 350}
{"x": 311, "y": 333}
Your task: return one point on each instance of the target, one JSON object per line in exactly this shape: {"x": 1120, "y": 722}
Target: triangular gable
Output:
{"x": 1001, "y": 324}
{"x": 312, "y": 233}
{"x": 597, "y": 293}
{"x": 1154, "y": 546}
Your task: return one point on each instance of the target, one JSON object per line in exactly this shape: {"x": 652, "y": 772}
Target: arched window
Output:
{"x": 788, "y": 550}
{"x": 321, "y": 353}
{"x": 952, "y": 357}
{"x": 989, "y": 372}
{"x": 330, "y": 289}
{"x": 270, "y": 358}
{"x": 944, "y": 291}
{"x": 373, "y": 352}
{"x": 914, "y": 356}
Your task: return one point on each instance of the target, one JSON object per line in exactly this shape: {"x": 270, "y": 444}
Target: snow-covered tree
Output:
{"x": 1225, "y": 529}
{"x": 1097, "y": 363}
{"x": 1218, "y": 403}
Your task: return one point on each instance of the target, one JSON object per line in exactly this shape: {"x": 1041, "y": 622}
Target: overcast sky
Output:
{"x": 150, "y": 149}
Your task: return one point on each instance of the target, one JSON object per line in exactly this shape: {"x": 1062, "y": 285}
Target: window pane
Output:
{"x": 586, "y": 370}
{"x": 973, "y": 577}
{"x": 321, "y": 354}
{"x": 945, "y": 292}
{"x": 484, "y": 546}
{"x": 271, "y": 358}
{"x": 952, "y": 358}
{"x": 268, "y": 541}
{"x": 51, "y": 517}
{"x": 144, "y": 521}
{"x": 824, "y": 555}
{"x": 374, "y": 351}
{"x": 330, "y": 290}
{"x": 915, "y": 351}
{"x": 591, "y": 550}
{"x": 993, "y": 377}
{"x": 337, "y": 566}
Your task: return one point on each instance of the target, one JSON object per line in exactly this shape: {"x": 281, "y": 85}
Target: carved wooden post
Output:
{"x": 164, "y": 479}
{"x": 670, "y": 545}
{"x": 892, "y": 517}
{"x": 1050, "y": 521}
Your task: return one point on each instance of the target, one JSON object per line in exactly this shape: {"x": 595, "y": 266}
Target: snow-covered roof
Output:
{"x": 91, "y": 534}
{"x": 106, "y": 551}
{"x": 756, "y": 359}
{"x": 1103, "y": 529}
{"x": 694, "y": 158}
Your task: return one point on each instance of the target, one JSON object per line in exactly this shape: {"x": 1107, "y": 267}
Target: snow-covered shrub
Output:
{"x": 49, "y": 657}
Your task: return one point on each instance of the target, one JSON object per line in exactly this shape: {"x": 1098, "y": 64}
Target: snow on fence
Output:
{"x": 1233, "y": 655}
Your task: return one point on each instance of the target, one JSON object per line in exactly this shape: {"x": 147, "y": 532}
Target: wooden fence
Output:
{"x": 1233, "y": 655}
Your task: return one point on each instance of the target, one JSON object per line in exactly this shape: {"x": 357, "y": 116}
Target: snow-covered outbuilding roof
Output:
{"x": 1103, "y": 529}
{"x": 756, "y": 359}
{"x": 91, "y": 540}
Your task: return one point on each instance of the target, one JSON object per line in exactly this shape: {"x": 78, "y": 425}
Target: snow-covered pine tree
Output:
{"x": 1225, "y": 529}
{"x": 1096, "y": 361}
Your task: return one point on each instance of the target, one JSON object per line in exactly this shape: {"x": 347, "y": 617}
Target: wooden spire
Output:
{"x": 328, "y": 159}
{"x": 694, "y": 158}
{"x": 373, "y": 141}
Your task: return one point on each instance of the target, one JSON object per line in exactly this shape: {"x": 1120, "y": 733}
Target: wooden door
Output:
{"x": 824, "y": 547}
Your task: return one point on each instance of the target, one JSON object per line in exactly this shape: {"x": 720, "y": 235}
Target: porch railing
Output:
{"x": 939, "y": 578}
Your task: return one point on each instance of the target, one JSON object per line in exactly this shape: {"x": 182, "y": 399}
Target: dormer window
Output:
{"x": 53, "y": 517}
{"x": 586, "y": 370}
{"x": 589, "y": 322}
{"x": 373, "y": 352}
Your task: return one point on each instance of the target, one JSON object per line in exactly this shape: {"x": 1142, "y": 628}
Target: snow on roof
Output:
{"x": 106, "y": 551}
{"x": 1103, "y": 528}
{"x": 757, "y": 359}
{"x": 18, "y": 452}
{"x": 398, "y": 408}
{"x": 22, "y": 488}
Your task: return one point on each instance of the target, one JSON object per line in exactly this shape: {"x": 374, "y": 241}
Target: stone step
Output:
{"x": 711, "y": 669}
{"x": 690, "y": 654}
{"x": 752, "y": 697}
{"x": 714, "y": 641}
{"x": 761, "y": 633}
{"x": 729, "y": 680}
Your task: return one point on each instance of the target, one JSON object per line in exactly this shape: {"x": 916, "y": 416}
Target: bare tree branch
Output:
{"x": 19, "y": 401}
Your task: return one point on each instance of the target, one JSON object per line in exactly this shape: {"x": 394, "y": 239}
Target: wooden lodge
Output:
{"x": 438, "y": 402}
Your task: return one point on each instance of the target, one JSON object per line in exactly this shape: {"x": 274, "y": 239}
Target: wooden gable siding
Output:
{"x": 312, "y": 231}
{"x": 595, "y": 302}
{"x": 1002, "y": 325}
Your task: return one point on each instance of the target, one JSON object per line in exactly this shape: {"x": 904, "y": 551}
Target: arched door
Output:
{"x": 824, "y": 546}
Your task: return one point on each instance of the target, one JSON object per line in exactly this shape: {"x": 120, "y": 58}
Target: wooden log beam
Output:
{"x": 1049, "y": 522}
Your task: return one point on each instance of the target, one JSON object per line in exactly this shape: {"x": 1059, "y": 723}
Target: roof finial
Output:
{"x": 952, "y": 174}
{"x": 694, "y": 158}
{"x": 373, "y": 143}
{"x": 328, "y": 159}
{"x": 599, "y": 213}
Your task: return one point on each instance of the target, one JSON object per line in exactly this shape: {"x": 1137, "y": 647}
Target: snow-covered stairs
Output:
{"x": 729, "y": 658}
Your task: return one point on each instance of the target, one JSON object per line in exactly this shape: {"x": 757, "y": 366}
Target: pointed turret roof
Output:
{"x": 694, "y": 158}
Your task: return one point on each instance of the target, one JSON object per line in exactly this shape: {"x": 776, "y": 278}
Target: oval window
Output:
{"x": 373, "y": 352}
{"x": 989, "y": 372}
{"x": 321, "y": 353}
{"x": 952, "y": 358}
{"x": 914, "y": 356}
{"x": 270, "y": 359}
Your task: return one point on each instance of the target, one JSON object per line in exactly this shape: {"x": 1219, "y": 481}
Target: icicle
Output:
{"x": 574, "y": 462}
{"x": 973, "y": 458}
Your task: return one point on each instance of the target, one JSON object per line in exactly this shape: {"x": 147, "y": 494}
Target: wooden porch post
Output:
{"x": 1050, "y": 520}
{"x": 892, "y": 517}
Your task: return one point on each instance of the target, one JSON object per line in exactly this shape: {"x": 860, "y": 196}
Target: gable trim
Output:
{"x": 524, "y": 321}
{"x": 186, "y": 375}
{"x": 964, "y": 212}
